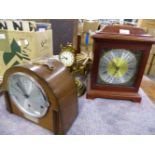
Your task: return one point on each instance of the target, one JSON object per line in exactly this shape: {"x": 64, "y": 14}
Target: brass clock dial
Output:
{"x": 117, "y": 66}
{"x": 67, "y": 58}
{"x": 27, "y": 95}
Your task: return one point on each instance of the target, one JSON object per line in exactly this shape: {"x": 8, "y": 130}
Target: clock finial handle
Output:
{"x": 44, "y": 63}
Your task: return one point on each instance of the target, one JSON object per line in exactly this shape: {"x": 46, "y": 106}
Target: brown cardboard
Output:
{"x": 21, "y": 47}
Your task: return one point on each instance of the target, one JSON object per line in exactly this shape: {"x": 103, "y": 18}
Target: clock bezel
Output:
{"x": 118, "y": 44}
{"x": 129, "y": 81}
{"x": 68, "y": 52}
{"x": 38, "y": 85}
{"x": 68, "y": 48}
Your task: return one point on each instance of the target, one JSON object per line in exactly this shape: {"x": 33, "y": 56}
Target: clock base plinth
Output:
{"x": 93, "y": 93}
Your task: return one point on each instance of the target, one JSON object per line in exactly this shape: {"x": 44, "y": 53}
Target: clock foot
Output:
{"x": 7, "y": 101}
{"x": 137, "y": 99}
{"x": 92, "y": 94}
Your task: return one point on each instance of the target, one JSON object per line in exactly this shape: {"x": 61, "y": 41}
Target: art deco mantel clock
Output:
{"x": 120, "y": 57}
{"x": 38, "y": 93}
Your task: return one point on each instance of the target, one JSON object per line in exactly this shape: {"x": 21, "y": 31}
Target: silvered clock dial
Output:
{"x": 117, "y": 67}
{"x": 28, "y": 95}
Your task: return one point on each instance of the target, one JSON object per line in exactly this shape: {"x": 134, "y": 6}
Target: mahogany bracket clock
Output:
{"x": 120, "y": 57}
{"x": 38, "y": 93}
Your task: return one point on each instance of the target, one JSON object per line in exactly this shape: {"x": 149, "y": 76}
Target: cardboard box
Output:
{"x": 83, "y": 39}
{"x": 85, "y": 27}
{"x": 147, "y": 69}
{"x": 84, "y": 48}
{"x": 90, "y": 25}
{"x": 152, "y": 50}
{"x": 37, "y": 41}
{"x": 153, "y": 60}
{"x": 152, "y": 70}
{"x": 150, "y": 59}
{"x": 80, "y": 28}
{"x": 20, "y": 47}
{"x": 146, "y": 23}
{"x": 151, "y": 31}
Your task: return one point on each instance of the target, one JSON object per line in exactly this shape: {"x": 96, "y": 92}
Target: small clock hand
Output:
{"x": 22, "y": 89}
{"x": 116, "y": 68}
{"x": 114, "y": 64}
{"x": 18, "y": 85}
{"x": 16, "y": 88}
{"x": 64, "y": 58}
{"x": 26, "y": 91}
{"x": 116, "y": 71}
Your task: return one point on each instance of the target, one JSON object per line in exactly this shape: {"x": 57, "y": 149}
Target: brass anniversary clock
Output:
{"x": 120, "y": 57}
{"x": 34, "y": 91}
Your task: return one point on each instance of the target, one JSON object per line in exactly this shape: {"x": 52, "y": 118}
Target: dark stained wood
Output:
{"x": 112, "y": 94}
{"x": 61, "y": 93}
{"x": 78, "y": 46}
{"x": 114, "y": 29}
{"x": 137, "y": 40}
{"x": 112, "y": 32}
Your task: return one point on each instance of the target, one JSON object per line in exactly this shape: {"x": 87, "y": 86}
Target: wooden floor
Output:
{"x": 149, "y": 87}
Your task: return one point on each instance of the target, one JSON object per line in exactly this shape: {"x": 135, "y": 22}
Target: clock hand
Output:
{"x": 116, "y": 67}
{"x": 14, "y": 94}
{"x": 26, "y": 91}
{"x": 18, "y": 85}
{"x": 114, "y": 64}
{"x": 64, "y": 58}
{"x": 22, "y": 89}
{"x": 116, "y": 71}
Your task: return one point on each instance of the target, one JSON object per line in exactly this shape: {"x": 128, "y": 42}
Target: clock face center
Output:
{"x": 117, "y": 67}
{"x": 26, "y": 96}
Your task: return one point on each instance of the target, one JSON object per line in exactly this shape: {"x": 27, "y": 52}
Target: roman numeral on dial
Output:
{"x": 117, "y": 66}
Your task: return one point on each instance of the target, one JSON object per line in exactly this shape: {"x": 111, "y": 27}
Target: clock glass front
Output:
{"x": 118, "y": 67}
{"x": 27, "y": 95}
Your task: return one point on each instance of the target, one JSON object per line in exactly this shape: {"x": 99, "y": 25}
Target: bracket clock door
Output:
{"x": 120, "y": 57}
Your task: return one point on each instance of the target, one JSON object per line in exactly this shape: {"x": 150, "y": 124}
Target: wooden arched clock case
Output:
{"x": 43, "y": 92}
{"x": 120, "y": 57}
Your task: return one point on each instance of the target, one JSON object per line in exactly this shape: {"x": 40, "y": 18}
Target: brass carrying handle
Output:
{"x": 44, "y": 63}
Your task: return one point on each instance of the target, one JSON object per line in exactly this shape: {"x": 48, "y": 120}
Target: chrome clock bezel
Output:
{"x": 21, "y": 108}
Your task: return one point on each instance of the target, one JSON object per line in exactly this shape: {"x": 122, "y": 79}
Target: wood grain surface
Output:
{"x": 60, "y": 89}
